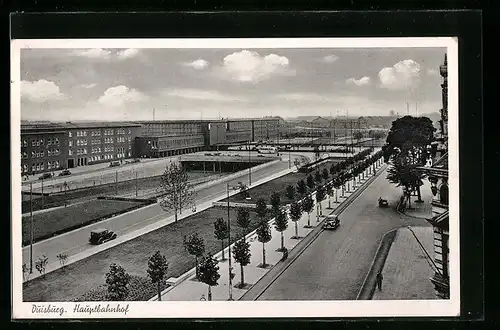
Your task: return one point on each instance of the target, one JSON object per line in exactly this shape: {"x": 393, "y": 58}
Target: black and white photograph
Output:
{"x": 235, "y": 177}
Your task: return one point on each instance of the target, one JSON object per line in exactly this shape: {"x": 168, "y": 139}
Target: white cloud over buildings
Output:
{"x": 41, "y": 91}
{"x": 402, "y": 75}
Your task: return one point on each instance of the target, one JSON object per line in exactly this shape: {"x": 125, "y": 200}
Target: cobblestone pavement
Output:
{"x": 407, "y": 269}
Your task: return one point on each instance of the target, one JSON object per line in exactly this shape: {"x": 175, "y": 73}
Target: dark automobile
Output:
{"x": 65, "y": 172}
{"x": 382, "y": 202}
{"x": 45, "y": 176}
{"x": 114, "y": 164}
{"x": 332, "y": 222}
{"x": 99, "y": 236}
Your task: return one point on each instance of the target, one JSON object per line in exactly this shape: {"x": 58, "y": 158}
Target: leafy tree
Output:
{"x": 63, "y": 258}
{"x": 26, "y": 272}
{"x": 117, "y": 280}
{"x": 221, "y": 231}
{"x": 325, "y": 174}
{"x": 334, "y": 169}
{"x": 243, "y": 189}
{"x": 261, "y": 209}
{"x": 404, "y": 175}
{"x": 241, "y": 253}
{"x": 195, "y": 247}
{"x": 318, "y": 177}
{"x": 301, "y": 188}
{"x": 320, "y": 196}
{"x": 243, "y": 219}
{"x": 358, "y": 135}
{"x": 310, "y": 182}
{"x": 295, "y": 215}
{"x": 337, "y": 183}
{"x": 307, "y": 206}
{"x": 281, "y": 224}
{"x": 275, "y": 202}
{"x": 209, "y": 273}
{"x": 157, "y": 271}
{"x": 41, "y": 264}
{"x": 297, "y": 163}
{"x": 264, "y": 236}
{"x": 290, "y": 192}
{"x": 175, "y": 189}
{"x": 329, "y": 192}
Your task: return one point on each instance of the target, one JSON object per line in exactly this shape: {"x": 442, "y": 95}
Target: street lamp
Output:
{"x": 249, "y": 166}
{"x": 230, "y": 268}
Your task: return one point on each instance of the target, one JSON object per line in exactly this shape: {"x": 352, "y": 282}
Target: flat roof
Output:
{"x": 75, "y": 125}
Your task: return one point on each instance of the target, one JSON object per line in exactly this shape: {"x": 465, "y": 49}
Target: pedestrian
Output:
{"x": 380, "y": 277}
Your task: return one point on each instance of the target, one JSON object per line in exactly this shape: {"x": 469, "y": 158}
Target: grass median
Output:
{"x": 64, "y": 219}
{"x": 85, "y": 278}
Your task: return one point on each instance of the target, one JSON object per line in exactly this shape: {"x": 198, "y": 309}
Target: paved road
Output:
{"x": 334, "y": 266}
{"x": 76, "y": 241}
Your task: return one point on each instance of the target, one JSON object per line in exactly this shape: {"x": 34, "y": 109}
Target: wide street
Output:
{"x": 334, "y": 266}
{"x": 76, "y": 241}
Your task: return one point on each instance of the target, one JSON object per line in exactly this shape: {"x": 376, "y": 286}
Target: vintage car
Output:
{"x": 65, "y": 172}
{"x": 383, "y": 202}
{"x": 114, "y": 164}
{"x": 45, "y": 176}
{"x": 99, "y": 236}
{"x": 332, "y": 222}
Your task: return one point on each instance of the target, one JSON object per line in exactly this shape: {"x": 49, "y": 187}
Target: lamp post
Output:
{"x": 249, "y": 165}
{"x": 229, "y": 247}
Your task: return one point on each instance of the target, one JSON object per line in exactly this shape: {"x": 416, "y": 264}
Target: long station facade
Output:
{"x": 47, "y": 147}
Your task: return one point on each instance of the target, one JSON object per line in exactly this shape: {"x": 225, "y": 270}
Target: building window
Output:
{"x": 42, "y": 154}
{"x": 70, "y": 143}
{"x": 33, "y": 168}
{"x": 57, "y": 140}
{"x": 70, "y": 134}
{"x": 443, "y": 193}
{"x": 70, "y": 152}
{"x": 33, "y": 143}
{"x": 41, "y": 142}
{"x": 25, "y": 143}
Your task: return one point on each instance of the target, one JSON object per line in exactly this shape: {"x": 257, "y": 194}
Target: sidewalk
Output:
{"x": 407, "y": 270}
{"x": 186, "y": 288}
{"x": 144, "y": 230}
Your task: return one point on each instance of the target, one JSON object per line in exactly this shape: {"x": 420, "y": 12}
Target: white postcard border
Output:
{"x": 243, "y": 309}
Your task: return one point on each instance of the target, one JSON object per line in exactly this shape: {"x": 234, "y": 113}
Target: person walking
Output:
{"x": 380, "y": 277}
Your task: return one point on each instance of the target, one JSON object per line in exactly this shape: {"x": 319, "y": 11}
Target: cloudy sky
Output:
{"x": 126, "y": 84}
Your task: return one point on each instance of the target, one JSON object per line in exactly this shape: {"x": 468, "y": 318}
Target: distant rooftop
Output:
{"x": 72, "y": 125}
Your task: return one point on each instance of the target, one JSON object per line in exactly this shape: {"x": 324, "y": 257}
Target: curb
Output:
{"x": 368, "y": 288}
{"x": 301, "y": 246}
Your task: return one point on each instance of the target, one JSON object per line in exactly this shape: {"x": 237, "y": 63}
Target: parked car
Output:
{"x": 332, "y": 222}
{"x": 99, "y": 236}
{"x": 383, "y": 202}
{"x": 65, "y": 172}
{"x": 45, "y": 176}
{"x": 114, "y": 164}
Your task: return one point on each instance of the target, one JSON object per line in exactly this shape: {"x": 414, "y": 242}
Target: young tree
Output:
{"x": 320, "y": 196}
{"x": 176, "y": 191}
{"x": 281, "y": 224}
{"x": 157, "y": 271}
{"x": 325, "y": 174}
{"x": 310, "y": 182}
{"x": 307, "y": 206}
{"x": 261, "y": 209}
{"x": 221, "y": 232}
{"x": 243, "y": 220}
{"x": 318, "y": 177}
{"x": 209, "y": 273}
{"x": 275, "y": 202}
{"x": 290, "y": 192}
{"x": 329, "y": 192}
{"x": 41, "y": 264}
{"x": 195, "y": 247}
{"x": 117, "y": 280}
{"x": 301, "y": 188}
{"x": 337, "y": 183}
{"x": 241, "y": 253}
{"x": 264, "y": 236}
{"x": 26, "y": 272}
{"x": 243, "y": 189}
{"x": 295, "y": 215}
{"x": 334, "y": 169}
{"x": 404, "y": 175}
{"x": 63, "y": 258}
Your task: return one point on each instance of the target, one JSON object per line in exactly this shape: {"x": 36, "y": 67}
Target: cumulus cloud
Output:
{"x": 119, "y": 95}
{"x": 330, "y": 58}
{"x": 400, "y": 76}
{"x": 198, "y": 94}
{"x": 432, "y": 72}
{"x": 249, "y": 66}
{"x": 358, "y": 82}
{"x": 88, "y": 86}
{"x": 98, "y": 53}
{"x": 198, "y": 64}
{"x": 127, "y": 53}
{"x": 41, "y": 91}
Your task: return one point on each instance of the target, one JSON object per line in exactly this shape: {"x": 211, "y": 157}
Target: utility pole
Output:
{"x": 116, "y": 183}
{"x": 229, "y": 246}
{"x": 31, "y": 227}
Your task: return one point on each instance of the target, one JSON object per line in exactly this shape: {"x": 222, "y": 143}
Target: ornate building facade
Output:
{"x": 437, "y": 174}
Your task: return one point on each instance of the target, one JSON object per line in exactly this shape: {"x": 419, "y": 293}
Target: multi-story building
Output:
{"x": 54, "y": 146}
{"x": 232, "y": 131}
{"x": 43, "y": 148}
{"x": 438, "y": 176}
{"x": 170, "y": 137}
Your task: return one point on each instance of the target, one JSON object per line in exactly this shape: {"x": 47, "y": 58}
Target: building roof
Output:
{"x": 76, "y": 125}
